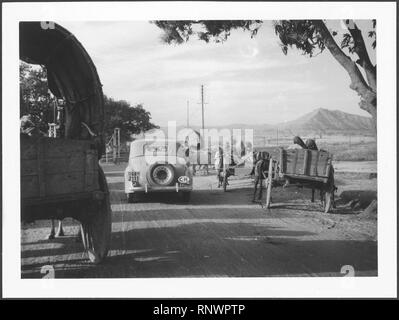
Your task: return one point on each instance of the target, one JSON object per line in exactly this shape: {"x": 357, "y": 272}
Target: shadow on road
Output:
{"x": 202, "y": 247}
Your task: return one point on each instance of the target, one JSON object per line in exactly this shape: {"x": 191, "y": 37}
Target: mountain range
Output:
{"x": 315, "y": 122}
{"x": 321, "y": 120}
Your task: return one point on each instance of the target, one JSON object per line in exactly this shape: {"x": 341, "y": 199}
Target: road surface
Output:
{"x": 217, "y": 234}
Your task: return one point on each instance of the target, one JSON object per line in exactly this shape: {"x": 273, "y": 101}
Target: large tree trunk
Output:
{"x": 364, "y": 59}
{"x": 366, "y": 91}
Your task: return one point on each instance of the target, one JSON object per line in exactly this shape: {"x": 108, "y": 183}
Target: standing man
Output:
{"x": 261, "y": 167}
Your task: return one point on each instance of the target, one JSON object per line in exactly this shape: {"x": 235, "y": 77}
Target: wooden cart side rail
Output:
{"x": 45, "y": 174}
{"x": 306, "y": 177}
{"x": 304, "y": 162}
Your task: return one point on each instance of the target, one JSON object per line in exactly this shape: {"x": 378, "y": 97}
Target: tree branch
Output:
{"x": 360, "y": 49}
{"x": 358, "y": 83}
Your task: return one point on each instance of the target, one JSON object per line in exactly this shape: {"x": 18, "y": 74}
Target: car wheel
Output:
{"x": 162, "y": 174}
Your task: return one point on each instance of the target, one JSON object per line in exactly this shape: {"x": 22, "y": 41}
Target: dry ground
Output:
{"x": 218, "y": 234}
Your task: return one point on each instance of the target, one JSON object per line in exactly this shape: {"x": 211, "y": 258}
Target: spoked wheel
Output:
{"x": 268, "y": 186}
{"x": 96, "y": 232}
{"x": 328, "y": 200}
{"x": 269, "y": 183}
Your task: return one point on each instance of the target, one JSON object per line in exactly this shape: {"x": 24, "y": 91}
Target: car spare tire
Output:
{"x": 161, "y": 174}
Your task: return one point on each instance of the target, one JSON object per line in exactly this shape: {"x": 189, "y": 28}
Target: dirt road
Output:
{"x": 216, "y": 235}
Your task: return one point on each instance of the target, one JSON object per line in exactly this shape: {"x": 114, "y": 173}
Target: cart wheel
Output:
{"x": 269, "y": 184}
{"x": 96, "y": 233}
{"x": 329, "y": 195}
{"x": 328, "y": 200}
{"x": 268, "y": 192}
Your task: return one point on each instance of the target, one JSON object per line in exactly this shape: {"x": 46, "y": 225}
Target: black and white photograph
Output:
{"x": 199, "y": 149}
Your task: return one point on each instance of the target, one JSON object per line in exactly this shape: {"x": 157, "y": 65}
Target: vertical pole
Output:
{"x": 55, "y": 112}
{"x": 114, "y": 146}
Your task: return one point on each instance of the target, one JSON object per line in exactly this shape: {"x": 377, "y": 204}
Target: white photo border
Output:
{"x": 384, "y": 285}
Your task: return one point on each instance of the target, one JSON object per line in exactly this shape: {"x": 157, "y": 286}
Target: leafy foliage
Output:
{"x": 178, "y": 32}
{"x": 302, "y": 34}
{"x": 35, "y": 99}
{"x": 130, "y": 119}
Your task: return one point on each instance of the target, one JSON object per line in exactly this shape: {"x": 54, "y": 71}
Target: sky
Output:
{"x": 246, "y": 81}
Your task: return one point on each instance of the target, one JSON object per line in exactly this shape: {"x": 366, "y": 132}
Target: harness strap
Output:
{"x": 89, "y": 130}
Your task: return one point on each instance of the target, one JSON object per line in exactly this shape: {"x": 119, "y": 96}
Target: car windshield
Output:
{"x": 156, "y": 148}
{"x": 141, "y": 148}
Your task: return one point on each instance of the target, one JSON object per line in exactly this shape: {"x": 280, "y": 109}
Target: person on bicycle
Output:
{"x": 219, "y": 164}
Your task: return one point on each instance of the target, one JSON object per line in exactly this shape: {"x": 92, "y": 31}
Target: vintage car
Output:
{"x": 158, "y": 166}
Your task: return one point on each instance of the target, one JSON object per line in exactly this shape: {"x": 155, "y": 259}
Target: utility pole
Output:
{"x": 202, "y": 104}
{"x": 203, "y": 116}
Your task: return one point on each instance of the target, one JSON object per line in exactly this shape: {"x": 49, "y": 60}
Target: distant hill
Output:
{"x": 322, "y": 120}
{"x": 316, "y": 122}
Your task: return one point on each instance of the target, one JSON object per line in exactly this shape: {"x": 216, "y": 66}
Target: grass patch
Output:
{"x": 353, "y": 152}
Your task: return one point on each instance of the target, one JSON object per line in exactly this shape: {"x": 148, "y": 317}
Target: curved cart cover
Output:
{"x": 71, "y": 75}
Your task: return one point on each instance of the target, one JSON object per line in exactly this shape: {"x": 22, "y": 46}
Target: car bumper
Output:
{"x": 149, "y": 188}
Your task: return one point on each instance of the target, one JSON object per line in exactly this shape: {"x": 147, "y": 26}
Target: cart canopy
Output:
{"x": 71, "y": 75}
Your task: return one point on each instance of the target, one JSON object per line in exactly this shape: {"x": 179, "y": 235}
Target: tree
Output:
{"x": 130, "y": 119}
{"x": 309, "y": 36}
{"x": 35, "y": 99}
{"x": 37, "y": 102}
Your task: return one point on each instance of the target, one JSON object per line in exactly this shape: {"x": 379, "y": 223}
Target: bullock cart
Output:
{"x": 61, "y": 177}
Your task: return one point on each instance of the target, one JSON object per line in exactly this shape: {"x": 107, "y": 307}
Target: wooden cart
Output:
{"x": 61, "y": 177}
{"x": 243, "y": 169}
{"x": 307, "y": 168}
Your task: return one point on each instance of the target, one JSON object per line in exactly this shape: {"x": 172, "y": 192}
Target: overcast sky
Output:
{"x": 246, "y": 80}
